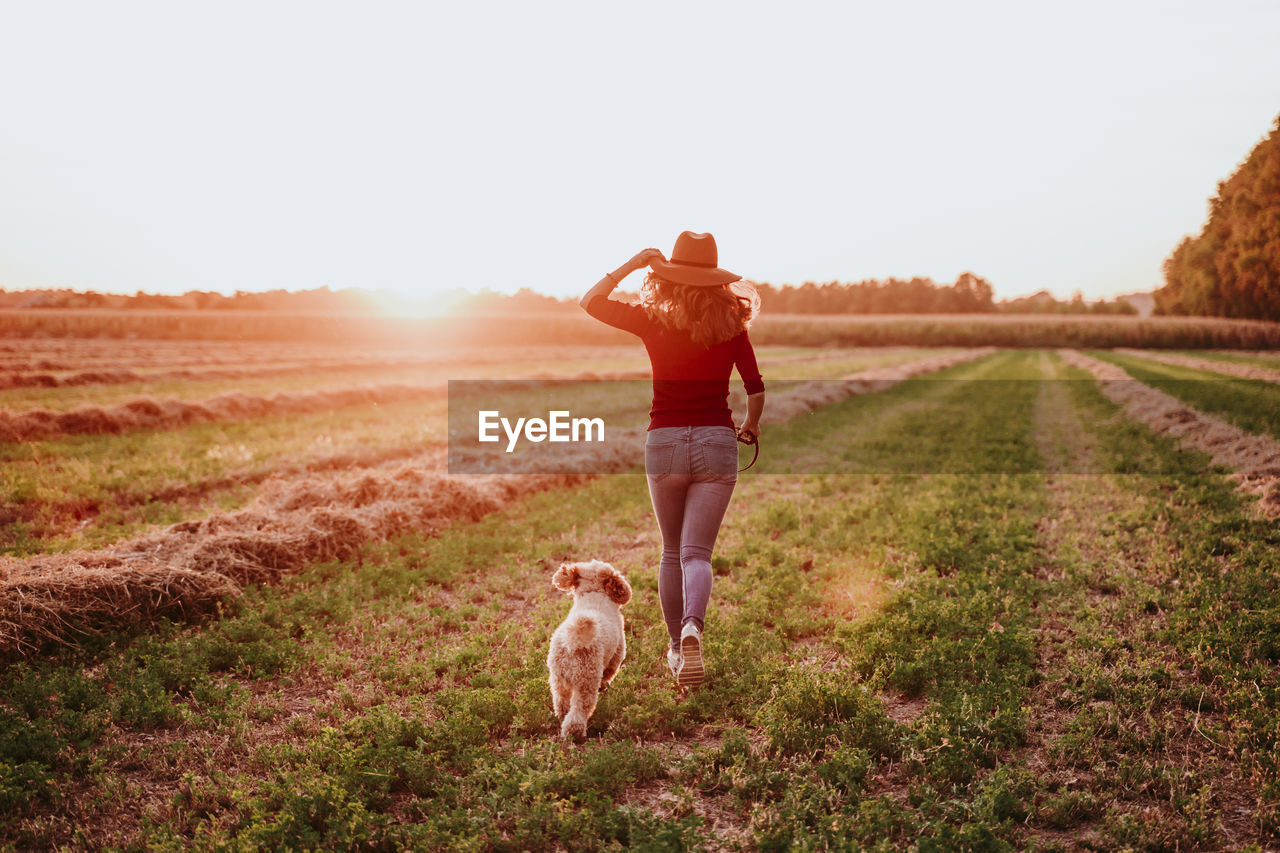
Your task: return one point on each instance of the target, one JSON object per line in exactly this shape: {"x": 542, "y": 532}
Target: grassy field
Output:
{"x": 1251, "y": 404}
{"x": 89, "y": 490}
{"x": 1010, "y": 655}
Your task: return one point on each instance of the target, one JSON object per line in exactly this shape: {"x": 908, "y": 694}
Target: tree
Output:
{"x": 1232, "y": 269}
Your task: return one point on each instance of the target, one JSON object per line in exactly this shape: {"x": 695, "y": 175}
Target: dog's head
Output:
{"x": 593, "y": 576}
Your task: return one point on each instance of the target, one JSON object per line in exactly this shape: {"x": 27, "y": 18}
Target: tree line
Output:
{"x": 970, "y": 294}
{"x": 1232, "y": 268}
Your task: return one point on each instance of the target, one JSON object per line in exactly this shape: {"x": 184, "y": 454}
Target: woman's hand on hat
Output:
{"x": 645, "y": 257}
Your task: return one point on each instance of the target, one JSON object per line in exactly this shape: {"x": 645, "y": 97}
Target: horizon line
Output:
{"x": 455, "y": 291}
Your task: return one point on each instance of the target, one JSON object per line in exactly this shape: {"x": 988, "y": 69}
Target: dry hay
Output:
{"x": 55, "y": 598}
{"x": 185, "y": 569}
{"x": 113, "y": 354}
{"x": 103, "y": 376}
{"x": 108, "y": 374}
{"x": 1230, "y": 368}
{"x": 182, "y": 570}
{"x": 171, "y": 413}
{"x": 120, "y": 376}
{"x": 96, "y": 354}
{"x": 117, "y": 374}
{"x": 1254, "y": 460}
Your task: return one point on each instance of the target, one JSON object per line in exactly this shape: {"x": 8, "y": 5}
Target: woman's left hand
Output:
{"x": 644, "y": 257}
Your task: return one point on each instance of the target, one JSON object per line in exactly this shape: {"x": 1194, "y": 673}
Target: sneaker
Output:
{"x": 691, "y": 674}
{"x": 675, "y": 660}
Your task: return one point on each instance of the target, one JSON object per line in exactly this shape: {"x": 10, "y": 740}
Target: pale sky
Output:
{"x": 419, "y": 147}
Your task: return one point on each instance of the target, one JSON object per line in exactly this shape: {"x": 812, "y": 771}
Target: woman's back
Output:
{"x": 690, "y": 381}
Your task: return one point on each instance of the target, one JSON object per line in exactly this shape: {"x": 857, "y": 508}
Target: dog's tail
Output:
{"x": 582, "y": 631}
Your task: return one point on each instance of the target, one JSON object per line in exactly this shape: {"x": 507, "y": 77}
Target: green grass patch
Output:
{"x": 1252, "y": 405}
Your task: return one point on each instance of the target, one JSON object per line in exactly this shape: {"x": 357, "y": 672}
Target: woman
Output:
{"x": 694, "y": 327}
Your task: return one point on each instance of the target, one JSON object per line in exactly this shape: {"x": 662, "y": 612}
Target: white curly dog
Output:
{"x": 589, "y": 646}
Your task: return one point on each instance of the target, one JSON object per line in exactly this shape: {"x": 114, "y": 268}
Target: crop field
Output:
{"x": 969, "y": 599}
{"x": 266, "y": 329}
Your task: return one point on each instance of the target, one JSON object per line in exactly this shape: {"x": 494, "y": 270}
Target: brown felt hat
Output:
{"x": 695, "y": 261}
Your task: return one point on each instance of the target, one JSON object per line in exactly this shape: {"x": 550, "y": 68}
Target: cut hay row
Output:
{"x": 1229, "y": 368}
{"x": 171, "y": 413}
{"x": 182, "y": 570}
{"x": 91, "y": 354}
{"x": 103, "y": 374}
{"x": 144, "y": 360}
{"x": 46, "y": 518}
{"x": 196, "y": 348}
{"x": 1254, "y": 460}
{"x": 79, "y": 354}
{"x": 73, "y": 516}
{"x": 121, "y": 376}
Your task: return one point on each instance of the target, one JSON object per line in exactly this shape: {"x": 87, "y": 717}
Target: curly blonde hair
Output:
{"x": 711, "y": 315}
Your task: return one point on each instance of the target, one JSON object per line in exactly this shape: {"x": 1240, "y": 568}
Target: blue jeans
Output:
{"x": 691, "y": 473}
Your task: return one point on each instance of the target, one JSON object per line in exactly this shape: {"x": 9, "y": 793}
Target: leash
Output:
{"x": 753, "y": 440}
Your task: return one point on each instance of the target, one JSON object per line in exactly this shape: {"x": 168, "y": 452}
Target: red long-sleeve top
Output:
{"x": 690, "y": 382}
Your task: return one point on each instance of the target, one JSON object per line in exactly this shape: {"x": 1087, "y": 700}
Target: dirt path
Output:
{"x": 1099, "y": 633}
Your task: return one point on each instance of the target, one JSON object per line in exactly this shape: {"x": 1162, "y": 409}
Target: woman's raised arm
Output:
{"x": 605, "y": 286}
